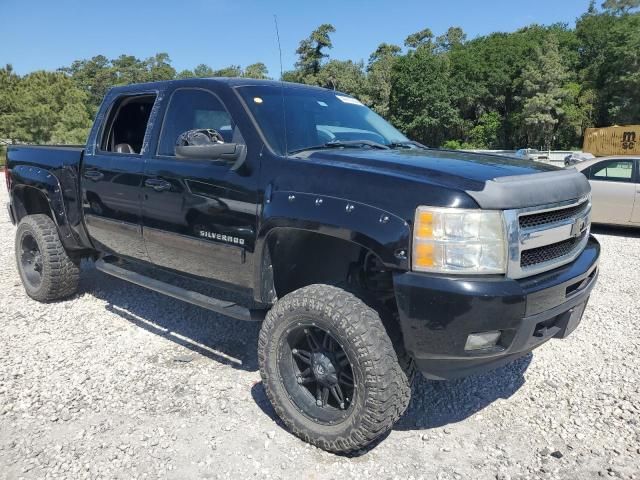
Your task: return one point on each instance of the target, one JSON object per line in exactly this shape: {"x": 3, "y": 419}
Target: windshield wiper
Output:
{"x": 343, "y": 143}
{"x": 408, "y": 144}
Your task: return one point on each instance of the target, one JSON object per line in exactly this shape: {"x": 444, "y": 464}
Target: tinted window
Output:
{"x": 613, "y": 171}
{"x": 127, "y": 124}
{"x": 313, "y": 117}
{"x": 190, "y": 109}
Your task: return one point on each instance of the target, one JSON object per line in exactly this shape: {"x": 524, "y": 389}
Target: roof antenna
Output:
{"x": 284, "y": 115}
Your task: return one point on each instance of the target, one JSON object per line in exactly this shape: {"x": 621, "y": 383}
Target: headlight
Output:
{"x": 454, "y": 240}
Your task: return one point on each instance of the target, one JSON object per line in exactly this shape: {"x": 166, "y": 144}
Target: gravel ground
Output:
{"x": 119, "y": 382}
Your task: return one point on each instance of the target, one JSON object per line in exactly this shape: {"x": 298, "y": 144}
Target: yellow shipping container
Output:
{"x": 602, "y": 142}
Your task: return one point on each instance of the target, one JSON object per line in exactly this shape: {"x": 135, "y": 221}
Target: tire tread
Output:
{"x": 388, "y": 388}
{"x": 61, "y": 274}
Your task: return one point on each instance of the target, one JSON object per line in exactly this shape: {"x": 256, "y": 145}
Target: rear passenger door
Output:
{"x": 613, "y": 188}
{"x": 199, "y": 216}
{"x": 111, "y": 177}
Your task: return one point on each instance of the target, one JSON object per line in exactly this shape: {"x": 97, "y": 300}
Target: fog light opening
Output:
{"x": 482, "y": 340}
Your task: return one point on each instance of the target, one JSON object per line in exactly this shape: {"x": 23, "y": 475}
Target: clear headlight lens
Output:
{"x": 454, "y": 240}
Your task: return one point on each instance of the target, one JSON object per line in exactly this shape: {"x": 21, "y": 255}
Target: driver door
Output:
{"x": 199, "y": 216}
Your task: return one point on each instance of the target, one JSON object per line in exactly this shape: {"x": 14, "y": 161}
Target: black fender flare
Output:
{"x": 386, "y": 235}
{"x": 45, "y": 182}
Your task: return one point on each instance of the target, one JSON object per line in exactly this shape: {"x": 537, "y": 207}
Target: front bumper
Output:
{"x": 437, "y": 314}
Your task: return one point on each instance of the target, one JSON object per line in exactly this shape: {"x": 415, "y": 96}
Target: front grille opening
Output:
{"x": 543, "y": 328}
{"x": 547, "y": 253}
{"x": 574, "y": 287}
{"x": 554, "y": 216}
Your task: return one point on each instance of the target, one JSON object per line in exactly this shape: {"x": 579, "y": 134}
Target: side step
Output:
{"x": 229, "y": 309}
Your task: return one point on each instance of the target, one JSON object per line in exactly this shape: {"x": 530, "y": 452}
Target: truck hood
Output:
{"x": 493, "y": 181}
{"x": 441, "y": 166}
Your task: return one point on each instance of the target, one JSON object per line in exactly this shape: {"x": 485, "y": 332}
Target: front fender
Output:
{"x": 381, "y": 232}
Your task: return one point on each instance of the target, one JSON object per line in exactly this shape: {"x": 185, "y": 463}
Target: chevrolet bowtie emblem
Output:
{"x": 578, "y": 227}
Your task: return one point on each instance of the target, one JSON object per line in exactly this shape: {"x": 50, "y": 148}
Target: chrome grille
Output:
{"x": 546, "y": 237}
{"x": 547, "y": 253}
{"x": 553, "y": 216}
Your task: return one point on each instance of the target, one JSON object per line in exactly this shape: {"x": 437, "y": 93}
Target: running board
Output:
{"x": 230, "y": 309}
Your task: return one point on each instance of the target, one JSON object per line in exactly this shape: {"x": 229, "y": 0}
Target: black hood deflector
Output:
{"x": 520, "y": 191}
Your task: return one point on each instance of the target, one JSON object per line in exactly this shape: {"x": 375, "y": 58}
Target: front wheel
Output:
{"x": 330, "y": 370}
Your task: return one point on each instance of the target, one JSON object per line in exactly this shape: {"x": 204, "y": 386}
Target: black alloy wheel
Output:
{"x": 317, "y": 374}
{"x": 31, "y": 261}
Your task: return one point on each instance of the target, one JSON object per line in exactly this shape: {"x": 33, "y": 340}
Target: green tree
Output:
{"x": 311, "y": 50}
{"x": 203, "y": 71}
{"x": 485, "y": 134}
{"x": 256, "y": 70}
{"x": 8, "y": 102}
{"x": 620, "y": 7}
{"x": 230, "y": 71}
{"x": 610, "y": 65}
{"x": 379, "y": 76}
{"x": 579, "y": 110}
{"x": 345, "y": 76}
{"x": 94, "y": 76}
{"x": 420, "y": 102}
{"x": 50, "y": 108}
{"x": 420, "y": 39}
{"x": 454, "y": 37}
{"x": 129, "y": 69}
{"x": 159, "y": 68}
{"x": 543, "y": 94}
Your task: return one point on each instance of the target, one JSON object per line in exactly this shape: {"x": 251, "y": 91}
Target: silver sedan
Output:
{"x": 615, "y": 189}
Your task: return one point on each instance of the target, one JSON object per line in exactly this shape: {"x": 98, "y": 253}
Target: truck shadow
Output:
{"x": 616, "y": 231}
{"x": 436, "y": 403}
{"x": 234, "y": 343}
{"x": 439, "y": 403}
{"x": 225, "y": 340}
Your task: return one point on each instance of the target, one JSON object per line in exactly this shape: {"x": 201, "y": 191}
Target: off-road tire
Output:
{"x": 391, "y": 323}
{"x": 383, "y": 391}
{"x": 60, "y": 273}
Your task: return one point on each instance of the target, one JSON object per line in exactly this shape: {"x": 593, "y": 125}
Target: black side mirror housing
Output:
{"x": 234, "y": 153}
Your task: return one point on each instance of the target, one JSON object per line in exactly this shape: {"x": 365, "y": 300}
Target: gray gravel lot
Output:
{"x": 119, "y": 382}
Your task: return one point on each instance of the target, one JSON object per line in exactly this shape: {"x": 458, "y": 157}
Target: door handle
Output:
{"x": 94, "y": 175}
{"x": 157, "y": 184}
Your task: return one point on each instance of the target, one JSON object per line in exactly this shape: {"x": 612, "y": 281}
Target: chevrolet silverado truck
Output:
{"x": 365, "y": 255}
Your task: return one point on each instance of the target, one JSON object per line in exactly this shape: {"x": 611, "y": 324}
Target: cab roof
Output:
{"x": 232, "y": 82}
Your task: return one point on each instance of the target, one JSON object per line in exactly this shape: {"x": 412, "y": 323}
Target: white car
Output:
{"x": 615, "y": 189}
{"x": 531, "y": 154}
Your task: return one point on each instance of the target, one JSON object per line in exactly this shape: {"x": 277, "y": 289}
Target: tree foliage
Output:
{"x": 539, "y": 86}
{"x": 543, "y": 94}
{"x": 311, "y": 51}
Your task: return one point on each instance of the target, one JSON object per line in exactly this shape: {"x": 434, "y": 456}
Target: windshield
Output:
{"x": 314, "y": 117}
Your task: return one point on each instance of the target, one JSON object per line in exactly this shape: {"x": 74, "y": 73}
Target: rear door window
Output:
{"x": 127, "y": 124}
{"x": 613, "y": 171}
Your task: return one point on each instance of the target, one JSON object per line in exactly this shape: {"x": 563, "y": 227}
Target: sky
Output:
{"x": 47, "y": 34}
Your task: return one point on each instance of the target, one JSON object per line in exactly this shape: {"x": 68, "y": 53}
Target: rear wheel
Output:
{"x": 330, "y": 369}
{"x": 46, "y": 270}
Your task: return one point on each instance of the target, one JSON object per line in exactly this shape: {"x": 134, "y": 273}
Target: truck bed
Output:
{"x": 47, "y": 156}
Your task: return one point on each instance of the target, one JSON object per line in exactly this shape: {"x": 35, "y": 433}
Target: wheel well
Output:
{"x": 299, "y": 258}
{"x": 30, "y": 201}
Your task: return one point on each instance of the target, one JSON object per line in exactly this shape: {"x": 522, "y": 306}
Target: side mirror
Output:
{"x": 208, "y": 145}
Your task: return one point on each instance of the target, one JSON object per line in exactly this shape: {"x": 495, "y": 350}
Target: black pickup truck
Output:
{"x": 367, "y": 256}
